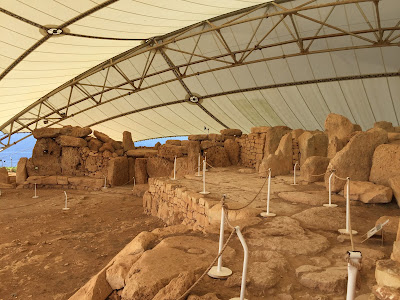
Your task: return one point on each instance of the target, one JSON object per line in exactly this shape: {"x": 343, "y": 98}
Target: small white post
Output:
{"x": 347, "y": 230}
{"x": 354, "y": 257}
{"x": 198, "y": 167}
{"x": 105, "y": 182}
{"x": 268, "y": 214}
{"x": 294, "y": 174}
{"x": 245, "y": 260}
{"x": 330, "y": 192}
{"x": 204, "y": 179}
{"x": 219, "y": 271}
{"x": 35, "y": 196}
{"x": 66, "y": 201}
{"x": 174, "y": 169}
{"x": 205, "y": 158}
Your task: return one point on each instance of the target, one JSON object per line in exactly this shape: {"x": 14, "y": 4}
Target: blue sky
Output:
{"x": 25, "y": 147}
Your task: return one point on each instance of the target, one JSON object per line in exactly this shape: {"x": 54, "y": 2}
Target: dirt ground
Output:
{"x": 48, "y": 253}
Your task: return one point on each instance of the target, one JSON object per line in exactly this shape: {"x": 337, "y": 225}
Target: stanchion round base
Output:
{"x": 34, "y": 197}
{"x": 198, "y": 175}
{"x": 224, "y": 273}
{"x": 294, "y": 184}
{"x": 204, "y": 193}
{"x": 264, "y": 214}
{"x": 345, "y": 231}
{"x": 172, "y": 178}
{"x": 104, "y": 188}
{"x": 65, "y": 208}
{"x": 330, "y": 205}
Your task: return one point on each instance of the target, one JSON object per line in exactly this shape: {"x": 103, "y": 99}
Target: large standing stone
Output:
{"x": 193, "y": 156}
{"x": 131, "y": 168}
{"x": 4, "y": 178}
{"x": 70, "y": 141}
{"x": 355, "y": 159}
{"x": 118, "y": 171}
{"x": 102, "y": 137}
{"x": 21, "y": 170}
{"x": 312, "y": 144}
{"x": 71, "y": 162}
{"x": 170, "y": 151}
{"x": 334, "y": 146}
{"x": 385, "y": 164}
{"x": 45, "y": 158}
{"x": 217, "y": 157}
{"x": 127, "y": 141}
{"x": 46, "y": 132}
{"x": 314, "y": 165}
{"x": 369, "y": 192}
{"x": 281, "y": 161}
{"x": 159, "y": 167}
{"x": 273, "y": 136}
{"x": 394, "y": 184}
{"x": 232, "y": 148}
{"x": 141, "y": 170}
{"x": 198, "y": 137}
{"x": 338, "y": 126}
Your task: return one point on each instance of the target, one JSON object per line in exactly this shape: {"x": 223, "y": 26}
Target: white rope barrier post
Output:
{"x": 134, "y": 183}
{"x": 35, "y": 196}
{"x": 330, "y": 192}
{"x": 354, "y": 258}
{"x": 294, "y": 174}
{"x": 204, "y": 179}
{"x": 347, "y": 230}
{"x": 205, "y": 158}
{"x": 198, "y": 167}
{"x": 220, "y": 272}
{"x": 105, "y": 182}
{"x": 268, "y": 214}
{"x": 245, "y": 260}
{"x": 174, "y": 169}
{"x": 66, "y": 201}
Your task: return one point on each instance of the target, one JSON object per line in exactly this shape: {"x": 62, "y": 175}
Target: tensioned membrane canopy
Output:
{"x": 179, "y": 67}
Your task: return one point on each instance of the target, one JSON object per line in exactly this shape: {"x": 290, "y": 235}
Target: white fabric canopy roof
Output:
{"x": 286, "y": 63}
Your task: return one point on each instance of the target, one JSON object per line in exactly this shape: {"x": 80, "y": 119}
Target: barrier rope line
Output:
{"x": 209, "y": 267}
{"x": 255, "y": 197}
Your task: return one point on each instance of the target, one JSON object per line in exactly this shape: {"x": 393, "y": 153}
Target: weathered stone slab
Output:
{"x": 369, "y": 192}
{"x": 70, "y": 141}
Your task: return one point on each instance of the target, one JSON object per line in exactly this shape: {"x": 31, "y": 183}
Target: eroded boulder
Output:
{"x": 46, "y": 132}
{"x": 313, "y": 167}
{"x": 385, "y": 164}
{"x": 355, "y": 159}
{"x": 217, "y": 157}
{"x": 232, "y": 148}
{"x": 369, "y": 192}
{"x": 312, "y": 144}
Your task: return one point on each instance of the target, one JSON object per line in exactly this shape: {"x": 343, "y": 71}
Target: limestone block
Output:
{"x": 4, "y": 178}
{"x": 107, "y": 147}
{"x": 198, "y": 137}
{"x": 96, "y": 288}
{"x": 312, "y": 144}
{"x": 159, "y": 167}
{"x": 102, "y": 137}
{"x": 388, "y": 126}
{"x": 231, "y": 132}
{"x": 369, "y": 192}
{"x": 22, "y": 173}
{"x": 75, "y": 131}
{"x": 131, "y": 169}
{"x": 118, "y": 171}
{"x": 218, "y": 157}
{"x": 384, "y": 293}
{"x": 385, "y": 164}
{"x": 338, "y": 126}
{"x": 273, "y": 137}
{"x": 46, "y": 132}
{"x": 71, "y": 162}
{"x": 141, "y": 170}
{"x": 170, "y": 151}
{"x": 387, "y": 273}
{"x": 45, "y": 158}
{"x": 314, "y": 165}
{"x": 396, "y": 252}
{"x": 70, "y": 141}
{"x": 86, "y": 182}
{"x": 127, "y": 142}
{"x": 173, "y": 142}
{"x": 176, "y": 287}
{"x": 141, "y": 152}
{"x": 193, "y": 156}
{"x": 355, "y": 159}
{"x": 216, "y": 137}
{"x": 94, "y": 144}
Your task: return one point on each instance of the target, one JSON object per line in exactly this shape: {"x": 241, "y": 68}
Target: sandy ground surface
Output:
{"x": 46, "y": 253}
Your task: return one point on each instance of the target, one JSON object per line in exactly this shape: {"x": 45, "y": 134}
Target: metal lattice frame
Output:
{"x": 230, "y": 59}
